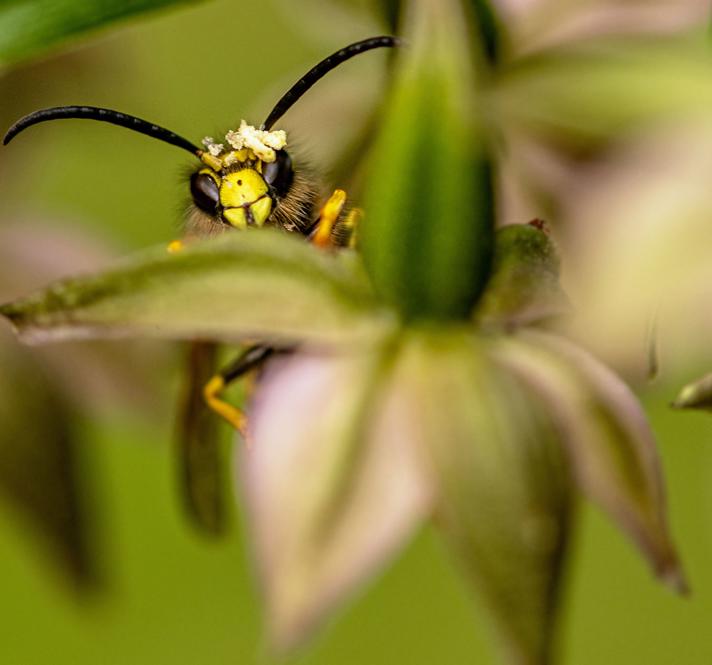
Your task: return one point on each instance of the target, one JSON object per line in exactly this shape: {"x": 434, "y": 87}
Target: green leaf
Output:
{"x": 696, "y": 395}
{"x": 524, "y": 287}
{"x": 427, "y": 232}
{"x": 607, "y": 437}
{"x": 265, "y": 285}
{"x": 490, "y": 28}
{"x": 40, "y": 462}
{"x": 502, "y": 484}
{"x": 599, "y": 90}
{"x": 30, "y": 27}
{"x": 391, "y": 11}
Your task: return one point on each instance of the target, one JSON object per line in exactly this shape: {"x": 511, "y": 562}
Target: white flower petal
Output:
{"x": 332, "y": 482}
{"x": 503, "y": 485}
{"x": 607, "y": 436}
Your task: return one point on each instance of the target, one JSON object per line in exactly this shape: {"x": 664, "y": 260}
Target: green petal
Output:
{"x": 333, "y": 483}
{"x": 491, "y": 29}
{"x": 524, "y": 287}
{"x": 503, "y": 485}
{"x": 427, "y": 231}
{"x": 30, "y": 27}
{"x": 266, "y": 285}
{"x": 40, "y": 461}
{"x": 600, "y": 89}
{"x": 696, "y": 395}
{"x": 391, "y": 12}
{"x": 608, "y": 439}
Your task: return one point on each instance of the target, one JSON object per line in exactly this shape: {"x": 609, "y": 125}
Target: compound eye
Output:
{"x": 279, "y": 173}
{"x": 205, "y": 193}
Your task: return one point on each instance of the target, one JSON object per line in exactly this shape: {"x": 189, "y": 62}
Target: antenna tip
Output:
{"x": 12, "y": 132}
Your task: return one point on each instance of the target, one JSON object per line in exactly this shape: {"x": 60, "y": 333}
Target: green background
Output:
{"x": 172, "y": 596}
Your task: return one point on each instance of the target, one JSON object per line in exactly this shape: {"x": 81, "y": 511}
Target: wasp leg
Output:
{"x": 175, "y": 246}
{"x": 250, "y": 359}
{"x": 328, "y": 217}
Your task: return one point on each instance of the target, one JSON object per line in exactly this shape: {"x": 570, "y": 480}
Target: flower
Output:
{"x": 424, "y": 385}
{"x": 372, "y": 427}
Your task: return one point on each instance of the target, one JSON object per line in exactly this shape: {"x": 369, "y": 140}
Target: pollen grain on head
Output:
{"x": 213, "y": 148}
{"x": 262, "y": 143}
{"x": 247, "y": 143}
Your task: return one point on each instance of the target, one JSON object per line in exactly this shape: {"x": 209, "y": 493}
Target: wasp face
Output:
{"x": 241, "y": 190}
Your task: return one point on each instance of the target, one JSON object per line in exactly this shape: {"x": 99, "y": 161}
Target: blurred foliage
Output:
{"x": 524, "y": 285}
{"x": 624, "y": 80}
{"x": 427, "y": 239}
{"x": 41, "y": 466}
{"x": 266, "y": 284}
{"x": 45, "y": 469}
{"x": 491, "y": 29}
{"x": 28, "y": 28}
{"x": 487, "y": 23}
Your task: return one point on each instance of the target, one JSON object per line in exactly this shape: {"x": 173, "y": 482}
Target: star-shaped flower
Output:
{"x": 423, "y": 385}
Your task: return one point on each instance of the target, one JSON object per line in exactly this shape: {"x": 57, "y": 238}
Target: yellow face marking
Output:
{"x": 261, "y": 210}
{"x": 242, "y": 188}
{"x": 236, "y": 217}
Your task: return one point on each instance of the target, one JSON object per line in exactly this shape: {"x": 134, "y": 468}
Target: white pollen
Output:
{"x": 263, "y": 144}
{"x": 213, "y": 148}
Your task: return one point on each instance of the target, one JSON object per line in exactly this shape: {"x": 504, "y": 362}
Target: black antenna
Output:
{"x": 323, "y": 68}
{"x": 102, "y": 115}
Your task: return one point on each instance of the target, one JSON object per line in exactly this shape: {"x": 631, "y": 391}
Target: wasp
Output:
{"x": 247, "y": 179}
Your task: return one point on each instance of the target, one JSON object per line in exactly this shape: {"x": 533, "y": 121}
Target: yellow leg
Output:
{"x": 328, "y": 217}
{"x": 244, "y": 366}
{"x": 232, "y": 414}
{"x": 175, "y": 246}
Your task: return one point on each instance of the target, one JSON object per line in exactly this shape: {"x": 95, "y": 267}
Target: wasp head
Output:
{"x": 242, "y": 183}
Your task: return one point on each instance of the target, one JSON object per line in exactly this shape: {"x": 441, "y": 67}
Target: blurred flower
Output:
{"x": 371, "y": 427}
{"x": 537, "y": 24}
{"x": 609, "y": 138}
{"x": 697, "y": 395}
{"x": 422, "y": 386}
{"x": 598, "y": 105}
{"x": 488, "y": 432}
{"x": 639, "y": 235}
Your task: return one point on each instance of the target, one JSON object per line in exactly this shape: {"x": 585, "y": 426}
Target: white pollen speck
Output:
{"x": 262, "y": 143}
{"x": 213, "y": 148}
